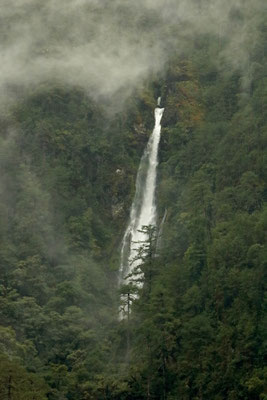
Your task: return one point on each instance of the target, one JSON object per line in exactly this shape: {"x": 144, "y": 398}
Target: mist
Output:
{"x": 108, "y": 46}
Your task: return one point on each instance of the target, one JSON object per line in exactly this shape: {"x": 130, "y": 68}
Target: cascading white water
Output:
{"x": 143, "y": 210}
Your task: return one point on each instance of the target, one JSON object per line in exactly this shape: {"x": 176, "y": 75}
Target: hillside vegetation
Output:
{"x": 68, "y": 165}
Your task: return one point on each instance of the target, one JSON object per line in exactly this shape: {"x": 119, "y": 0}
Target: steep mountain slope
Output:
{"x": 68, "y": 166}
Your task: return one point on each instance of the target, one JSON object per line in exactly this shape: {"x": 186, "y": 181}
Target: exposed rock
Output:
{"x": 117, "y": 209}
{"x": 140, "y": 129}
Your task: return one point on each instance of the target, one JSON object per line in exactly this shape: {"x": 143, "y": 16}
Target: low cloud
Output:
{"x": 105, "y": 46}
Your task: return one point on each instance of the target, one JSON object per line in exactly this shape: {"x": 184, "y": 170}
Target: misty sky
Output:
{"x": 105, "y": 46}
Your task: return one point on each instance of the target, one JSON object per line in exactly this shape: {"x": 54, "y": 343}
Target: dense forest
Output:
{"x": 68, "y": 163}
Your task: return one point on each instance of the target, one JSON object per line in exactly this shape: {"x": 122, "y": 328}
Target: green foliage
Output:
{"x": 18, "y": 384}
{"x": 201, "y": 331}
{"x": 197, "y": 327}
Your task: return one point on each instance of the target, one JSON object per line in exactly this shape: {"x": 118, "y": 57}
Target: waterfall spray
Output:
{"x": 143, "y": 210}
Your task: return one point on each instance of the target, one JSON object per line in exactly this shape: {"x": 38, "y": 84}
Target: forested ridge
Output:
{"x": 68, "y": 164}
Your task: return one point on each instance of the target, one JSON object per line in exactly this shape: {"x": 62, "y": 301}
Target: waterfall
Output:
{"x": 143, "y": 209}
{"x": 160, "y": 231}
